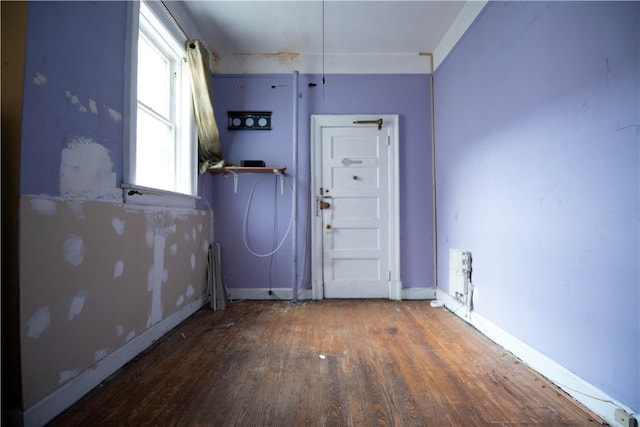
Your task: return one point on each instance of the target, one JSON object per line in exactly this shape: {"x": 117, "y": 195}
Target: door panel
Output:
{"x": 355, "y": 224}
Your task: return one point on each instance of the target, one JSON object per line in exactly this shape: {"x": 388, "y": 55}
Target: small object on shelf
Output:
{"x": 252, "y": 163}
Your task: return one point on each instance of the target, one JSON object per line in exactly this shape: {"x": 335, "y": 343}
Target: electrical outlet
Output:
{"x": 625, "y": 419}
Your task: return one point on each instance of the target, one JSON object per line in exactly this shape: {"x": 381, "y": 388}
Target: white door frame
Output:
{"x": 317, "y": 123}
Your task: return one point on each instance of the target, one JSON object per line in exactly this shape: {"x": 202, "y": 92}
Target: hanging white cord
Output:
{"x": 246, "y": 217}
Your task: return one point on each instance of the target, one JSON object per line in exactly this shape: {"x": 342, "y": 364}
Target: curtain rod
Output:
{"x": 175, "y": 21}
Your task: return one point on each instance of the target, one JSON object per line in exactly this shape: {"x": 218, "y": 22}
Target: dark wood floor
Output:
{"x": 328, "y": 363}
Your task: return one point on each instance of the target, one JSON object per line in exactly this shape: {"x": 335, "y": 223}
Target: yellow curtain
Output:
{"x": 209, "y": 149}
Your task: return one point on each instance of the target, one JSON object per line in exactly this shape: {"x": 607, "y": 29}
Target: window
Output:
{"x": 161, "y": 134}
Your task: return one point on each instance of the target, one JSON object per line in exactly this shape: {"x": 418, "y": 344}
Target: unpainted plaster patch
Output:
{"x": 100, "y": 354}
{"x": 130, "y": 336}
{"x": 159, "y": 225}
{"x": 187, "y": 237}
{"x": 114, "y": 114}
{"x": 39, "y": 79}
{"x": 75, "y": 101}
{"x": 74, "y": 250}
{"x": 205, "y": 246}
{"x": 190, "y": 290}
{"x": 119, "y": 330}
{"x": 154, "y": 280}
{"x": 66, "y": 376}
{"x": 44, "y": 206}
{"x": 148, "y": 237}
{"x": 76, "y": 208}
{"x": 174, "y": 249}
{"x": 77, "y": 304}
{"x": 118, "y": 225}
{"x": 86, "y": 171}
{"x": 193, "y": 262}
{"x": 118, "y": 268}
{"x": 180, "y": 300}
{"x": 38, "y": 322}
{"x": 193, "y": 234}
{"x": 200, "y": 227}
{"x": 93, "y": 107}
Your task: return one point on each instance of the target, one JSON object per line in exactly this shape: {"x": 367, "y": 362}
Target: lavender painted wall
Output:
{"x": 406, "y": 95}
{"x": 537, "y": 166}
{"x": 66, "y": 67}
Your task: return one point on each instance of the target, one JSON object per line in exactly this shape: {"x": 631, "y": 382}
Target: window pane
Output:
{"x": 155, "y": 153}
{"x": 154, "y": 77}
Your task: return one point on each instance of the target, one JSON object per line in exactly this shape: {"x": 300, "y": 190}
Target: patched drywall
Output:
{"x": 86, "y": 171}
{"x": 95, "y": 275}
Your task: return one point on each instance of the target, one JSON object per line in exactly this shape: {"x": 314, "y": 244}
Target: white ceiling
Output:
{"x": 311, "y": 36}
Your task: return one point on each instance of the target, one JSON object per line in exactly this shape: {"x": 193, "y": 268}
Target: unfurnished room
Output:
{"x": 320, "y": 212}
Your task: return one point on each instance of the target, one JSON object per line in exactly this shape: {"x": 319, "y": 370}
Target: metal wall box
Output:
{"x": 249, "y": 120}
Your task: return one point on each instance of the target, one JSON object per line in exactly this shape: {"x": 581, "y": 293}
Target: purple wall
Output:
{"x": 406, "y": 95}
{"x": 79, "y": 48}
{"x": 537, "y": 160}
{"x": 81, "y": 53}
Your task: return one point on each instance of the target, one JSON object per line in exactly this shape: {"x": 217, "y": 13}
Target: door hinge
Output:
{"x": 389, "y": 275}
{"x": 388, "y": 139}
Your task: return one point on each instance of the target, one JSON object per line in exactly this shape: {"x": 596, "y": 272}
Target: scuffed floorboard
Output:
{"x": 327, "y": 363}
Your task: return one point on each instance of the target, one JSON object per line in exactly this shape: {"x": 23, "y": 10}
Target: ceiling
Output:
{"x": 312, "y": 36}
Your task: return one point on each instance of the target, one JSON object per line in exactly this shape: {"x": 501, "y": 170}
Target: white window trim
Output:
{"x": 140, "y": 194}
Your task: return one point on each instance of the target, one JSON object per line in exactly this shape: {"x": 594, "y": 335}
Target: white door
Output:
{"x": 355, "y": 207}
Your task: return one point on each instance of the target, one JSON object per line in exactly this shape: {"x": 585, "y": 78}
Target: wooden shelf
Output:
{"x": 244, "y": 169}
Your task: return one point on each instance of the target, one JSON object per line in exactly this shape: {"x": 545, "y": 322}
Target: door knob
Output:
{"x": 328, "y": 226}
{"x": 325, "y": 205}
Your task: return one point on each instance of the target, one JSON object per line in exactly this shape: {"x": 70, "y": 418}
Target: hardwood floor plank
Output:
{"x": 326, "y": 363}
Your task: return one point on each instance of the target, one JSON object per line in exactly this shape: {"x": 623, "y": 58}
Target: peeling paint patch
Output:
{"x": 130, "y": 336}
{"x": 193, "y": 262}
{"x": 43, "y": 206}
{"x": 190, "y": 290}
{"x": 86, "y": 171}
{"x": 174, "y": 249}
{"x": 39, "y": 79}
{"x": 180, "y": 300}
{"x": 114, "y": 114}
{"x": 38, "y": 322}
{"x": 93, "y": 107}
{"x": 187, "y": 237}
{"x": 74, "y": 250}
{"x": 77, "y": 304}
{"x": 193, "y": 234}
{"x": 100, "y": 354}
{"x": 118, "y": 268}
{"x": 205, "y": 246}
{"x": 118, "y": 225}
{"x": 66, "y": 376}
{"x": 119, "y": 330}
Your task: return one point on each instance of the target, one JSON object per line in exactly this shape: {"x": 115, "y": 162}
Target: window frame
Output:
{"x": 133, "y": 192}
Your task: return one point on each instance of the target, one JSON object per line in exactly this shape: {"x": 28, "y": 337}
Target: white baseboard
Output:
{"x": 55, "y": 403}
{"x": 418, "y": 293}
{"x": 241, "y": 294}
{"x": 584, "y": 392}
